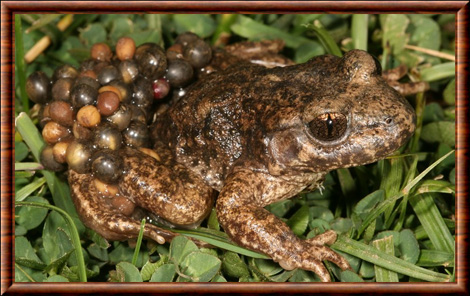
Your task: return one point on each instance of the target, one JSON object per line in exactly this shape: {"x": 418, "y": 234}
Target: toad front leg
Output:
{"x": 241, "y": 214}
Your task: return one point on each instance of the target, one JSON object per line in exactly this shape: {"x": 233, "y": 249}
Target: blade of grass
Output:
{"x": 249, "y": 28}
{"x": 391, "y": 182}
{"x": 139, "y": 242}
{"x": 28, "y": 166}
{"x": 435, "y": 258}
{"x": 73, "y": 234}
{"x": 42, "y": 21}
{"x": 419, "y": 109}
{"x": 371, "y": 254}
{"x": 325, "y": 39}
{"x": 219, "y": 241}
{"x": 404, "y": 203}
{"x": 223, "y": 29}
{"x": 359, "y": 28}
{"x": 30, "y": 134}
{"x": 437, "y": 72}
{"x": 432, "y": 221}
{"x": 421, "y": 234}
{"x": 26, "y": 191}
{"x": 58, "y": 187}
{"x": 386, "y": 203}
{"x": 384, "y": 275}
{"x": 20, "y": 63}
{"x": 410, "y": 185}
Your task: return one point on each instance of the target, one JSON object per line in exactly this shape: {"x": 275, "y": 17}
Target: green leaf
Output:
{"x": 42, "y": 21}
{"x": 98, "y": 252}
{"x": 308, "y": 50}
{"x": 24, "y": 251}
{"x": 212, "y": 221}
{"x": 128, "y": 272}
{"x": 449, "y": 93}
{"x": 359, "y": 30}
{"x": 342, "y": 225}
{"x": 299, "y": 221}
{"x": 267, "y": 267}
{"x": 122, "y": 252}
{"x": 142, "y": 37}
{"x": 367, "y": 269}
{"x": 26, "y": 274}
{"x": 432, "y": 112}
{"x": 432, "y": 221}
{"x": 218, "y": 279}
{"x": 435, "y": 258}
{"x": 368, "y": 203}
{"x": 58, "y": 187}
{"x": 149, "y": 268}
{"x": 21, "y": 151}
{"x": 201, "y": 24}
{"x": 165, "y": 273}
{"x": 57, "y": 279}
{"x": 55, "y": 267}
{"x": 350, "y": 277}
{"x": 325, "y": 39}
{"x": 92, "y": 34}
{"x": 437, "y": 72}
{"x": 436, "y": 186}
{"x": 301, "y": 275}
{"x": 30, "y": 217}
{"x": 180, "y": 247}
{"x": 81, "y": 270}
{"x": 394, "y": 27}
{"x": 233, "y": 266}
{"x": 382, "y": 274}
{"x": 318, "y": 226}
{"x": 28, "y": 166}
{"x": 425, "y": 32}
{"x": 121, "y": 27}
{"x": 27, "y": 190}
{"x": 322, "y": 213}
{"x": 440, "y": 131}
{"x": 200, "y": 267}
{"x": 390, "y": 262}
{"x": 56, "y": 241}
{"x": 249, "y": 28}
{"x": 409, "y": 246}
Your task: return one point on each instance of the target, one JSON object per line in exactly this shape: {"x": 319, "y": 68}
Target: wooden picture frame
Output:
{"x": 10, "y": 8}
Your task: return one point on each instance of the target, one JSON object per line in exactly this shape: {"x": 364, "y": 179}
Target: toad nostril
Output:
{"x": 388, "y": 120}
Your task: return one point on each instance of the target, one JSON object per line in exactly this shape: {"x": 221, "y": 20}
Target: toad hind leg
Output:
{"x": 163, "y": 188}
{"x": 241, "y": 214}
{"x": 100, "y": 216}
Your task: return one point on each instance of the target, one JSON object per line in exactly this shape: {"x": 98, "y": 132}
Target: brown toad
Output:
{"x": 256, "y": 136}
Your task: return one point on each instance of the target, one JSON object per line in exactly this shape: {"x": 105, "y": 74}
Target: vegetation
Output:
{"x": 396, "y": 217}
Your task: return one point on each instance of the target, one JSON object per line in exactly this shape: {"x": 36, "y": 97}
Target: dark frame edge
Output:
{"x": 460, "y": 8}
{"x": 6, "y": 149}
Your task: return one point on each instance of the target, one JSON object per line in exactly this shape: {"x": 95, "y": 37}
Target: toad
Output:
{"x": 256, "y": 136}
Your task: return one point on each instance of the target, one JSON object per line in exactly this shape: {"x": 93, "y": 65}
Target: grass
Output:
{"x": 395, "y": 217}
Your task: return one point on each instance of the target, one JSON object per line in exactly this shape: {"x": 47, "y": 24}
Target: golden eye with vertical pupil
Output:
{"x": 328, "y": 126}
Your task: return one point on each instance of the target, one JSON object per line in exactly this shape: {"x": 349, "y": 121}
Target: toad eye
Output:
{"x": 328, "y": 126}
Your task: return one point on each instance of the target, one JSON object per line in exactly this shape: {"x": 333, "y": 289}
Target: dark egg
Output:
{"x": 107, "y": 166}
{"x": 180, "y": 73}
{"x": 38, "y": 87}
{"x": 151, "y": 60}
{"x": 107, "y": 136}
{"x": 198, "y": 53}
{"x": 136, "y": 135}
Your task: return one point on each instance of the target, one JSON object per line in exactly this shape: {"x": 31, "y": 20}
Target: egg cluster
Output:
{"x": 88, "y": 113}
